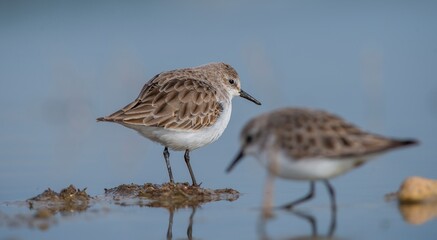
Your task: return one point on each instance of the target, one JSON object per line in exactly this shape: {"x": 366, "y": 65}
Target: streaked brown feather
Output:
{"x": 186, "y": 96}
{"x": 171, "y": 96}
{"x": 197, "y": 98}
{"x": 183, "y": 111}
{"x": 180, "y": 103}
{"x": 305, "y": 133}
{"x": 195, "y": 108}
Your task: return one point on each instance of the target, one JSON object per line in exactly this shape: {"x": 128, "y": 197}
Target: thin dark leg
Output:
{"x": 262, "y": 227}
{"x": 170, "y": 226}
{"x": 333, "y": 208}
{"x": 190, "y": 224}
{"x": 331, "y": 194}
{"x": 310, "y": 219}
{"x": 301, "y": 200}
{"x": 187, "y": 161}
{"x": 167, "y": 162}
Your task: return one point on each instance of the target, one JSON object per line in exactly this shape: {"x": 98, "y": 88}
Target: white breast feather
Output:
{"x": 181, "y": 140}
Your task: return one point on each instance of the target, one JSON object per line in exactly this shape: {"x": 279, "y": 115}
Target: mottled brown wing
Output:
{"x": 313, "y": 133}
{"x": 178, "y": 103}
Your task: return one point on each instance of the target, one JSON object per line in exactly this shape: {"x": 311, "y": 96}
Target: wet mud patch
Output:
{"x": 51, "y": 207}
{"x": 45, "y": 206}
{"x": 168, "y": 195}
{"x": 70, "y": 199}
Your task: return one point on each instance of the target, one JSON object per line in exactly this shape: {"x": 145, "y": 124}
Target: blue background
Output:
{"x": 65, "y": 63}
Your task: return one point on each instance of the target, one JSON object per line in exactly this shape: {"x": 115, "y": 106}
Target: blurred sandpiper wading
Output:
{"x": 310, "y": 145}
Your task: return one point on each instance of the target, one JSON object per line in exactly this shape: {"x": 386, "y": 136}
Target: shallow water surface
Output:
{"x": 66, "y": 63}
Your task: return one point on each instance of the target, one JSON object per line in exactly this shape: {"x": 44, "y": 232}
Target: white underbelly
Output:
{"x": 308, "y": 169}
{"x": 181, "y": 140}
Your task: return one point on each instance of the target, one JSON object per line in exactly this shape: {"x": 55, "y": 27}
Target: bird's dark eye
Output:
{"x": 249, "y": 139}
{"x": 231, "y": 81}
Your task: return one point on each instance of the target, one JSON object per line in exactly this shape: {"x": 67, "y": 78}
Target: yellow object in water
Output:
{"x": 417, "y": 214}
{"x": 417, "y": 190}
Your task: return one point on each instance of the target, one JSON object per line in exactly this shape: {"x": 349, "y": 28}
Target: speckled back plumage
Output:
{"x": 305, "y": 133}
{"x": 183, "y": 99}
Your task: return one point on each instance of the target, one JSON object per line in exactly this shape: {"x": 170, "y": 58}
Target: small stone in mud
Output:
{"x": 46, "y": 205}
{"x": 47, "y": 195}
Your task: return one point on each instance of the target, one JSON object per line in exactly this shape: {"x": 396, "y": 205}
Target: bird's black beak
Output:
{"x": 247, "y": 96}
{"x": 236, "y": 160}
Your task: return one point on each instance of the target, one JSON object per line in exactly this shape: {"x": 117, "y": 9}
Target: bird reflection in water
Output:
{"x": 267, "y": 211}
{"x": 190, "y": 224}
{"x": 262, "y": 225}
{"x": 171, "y": 196}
